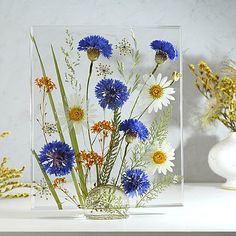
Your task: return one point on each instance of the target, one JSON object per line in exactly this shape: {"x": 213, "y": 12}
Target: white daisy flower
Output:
{"x": 76, "y": 115}
{"x": 160, "y": 158}
{"x": 157, "y": 92}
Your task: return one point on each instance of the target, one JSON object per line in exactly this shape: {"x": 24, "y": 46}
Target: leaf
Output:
{"x": 134, "y": 39}
{"x": 162, "y": 127}
{"x": 131, "y": 75}
{"x": 77, "y": 187}
{"x": 137, "y": 58}
{"x": 121, "y": 68}
{"x": 137, "y": 154}
{"x": 39, "y": 56}
{"x": 159, "y": 127}
{"x": 157, "y": 132}
{"x": 157, "y": 188}
{"x": 136, "y": 83}
{"x": 112, "y": 153}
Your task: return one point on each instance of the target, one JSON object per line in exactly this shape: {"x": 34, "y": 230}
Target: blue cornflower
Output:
{"x": 134, "y": 128}
{"x": 164, "y": 50}
{"x": 135, "y": 182}
{"x": 94, "y": 45}
{"x": 111, "y": 93}
{"x": 57, "y": 158}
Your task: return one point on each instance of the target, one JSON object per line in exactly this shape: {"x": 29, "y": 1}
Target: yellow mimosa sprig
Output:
{"x": 9, "y": 182}
{"x": 221, "y": 90}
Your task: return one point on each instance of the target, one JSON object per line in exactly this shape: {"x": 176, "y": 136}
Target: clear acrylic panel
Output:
{"x": 131, "y": 68}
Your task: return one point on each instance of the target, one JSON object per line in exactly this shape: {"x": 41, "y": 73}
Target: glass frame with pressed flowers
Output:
{"x": 96, "y": 86}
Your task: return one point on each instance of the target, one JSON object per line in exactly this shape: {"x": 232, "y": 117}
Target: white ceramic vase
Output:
{"x": 222, "y": 160}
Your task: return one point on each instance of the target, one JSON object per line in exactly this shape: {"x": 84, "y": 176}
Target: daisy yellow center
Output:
{"x": 76, "y": 114}
{"x": 156, "y": 91}
{"x": 159, "y": 157}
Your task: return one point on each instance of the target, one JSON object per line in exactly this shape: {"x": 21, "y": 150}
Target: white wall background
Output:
{"x": 209, "y": 32}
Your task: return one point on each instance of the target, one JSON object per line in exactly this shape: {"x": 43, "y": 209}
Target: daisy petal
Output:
{"x": 170, "y": 97}
{"x": 169, "y": 90}
{"x": 163, "y": 81}
{"x": 158, "y": 79}
{"x": 168, "y": 83}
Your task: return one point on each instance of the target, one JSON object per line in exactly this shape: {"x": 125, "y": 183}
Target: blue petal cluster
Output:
{"x": 166, "y": 47}
{"x": 98, "y": 42}
{"x": 57, "y": 158}
{"x": 135, "y": 182}
{"x": 135, "y": 128}
{"x": 111, "y": 93}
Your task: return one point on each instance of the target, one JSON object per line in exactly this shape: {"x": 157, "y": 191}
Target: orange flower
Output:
{"x": 58, "y": 181}
{"x": 45, "y": 82}
{"x": 105, "y": 126}
{"x": 89, "y": 159}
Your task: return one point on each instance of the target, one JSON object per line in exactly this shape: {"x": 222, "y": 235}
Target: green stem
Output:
{"x": 42, "y": 111}
{"x": 94, "y": 139}
{"x": 228, "y": 121}
{"x": 141, "y": 90}
{"x": 103, "y": 144}
{"x": 87, "y": 110}
{"x": 77, "y": 188}
{"x": 87, "y": 102}
{"x": 70, "y": 199}
{"x": 122, "y": 163}
{"x": 97, "y": 173}
{"x": 145, "y": 110}
{"x": 154, "y": 70}
{"x": 224, "y": 122}
{"x": 121, "y": 142}
{"x": 49, "y": 183}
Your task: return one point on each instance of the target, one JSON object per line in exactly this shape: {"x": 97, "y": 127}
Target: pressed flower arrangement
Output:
{"x": 102, "y": 116}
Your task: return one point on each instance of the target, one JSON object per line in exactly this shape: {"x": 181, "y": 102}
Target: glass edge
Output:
{"x": 111, "y": 26}
{"x": 32, "y": 202}
{"x": 181, "y": 115}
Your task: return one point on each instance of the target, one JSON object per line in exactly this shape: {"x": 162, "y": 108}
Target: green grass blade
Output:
{"x": 49, "y": 93}
{"x": 72, "y": 133}
{"x": 59, "y": 129}
{"x": 49, "y": 183}
{"x": 40, "y": 59}
{"x": 73, "y": 175}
